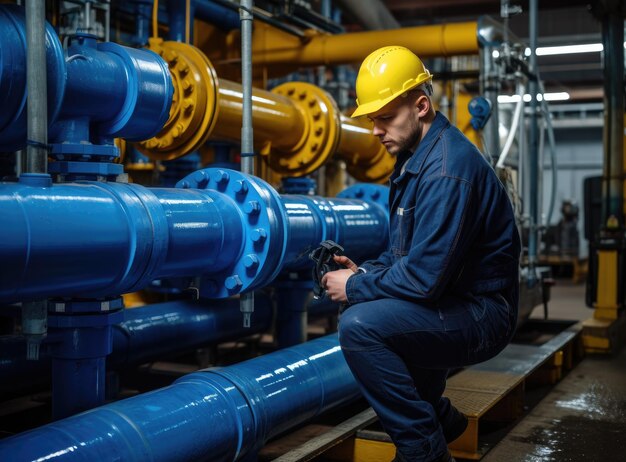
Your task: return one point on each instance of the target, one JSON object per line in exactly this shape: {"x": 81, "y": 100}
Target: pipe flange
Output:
{"x": 265, "y": 231}
{"x": 371, "y": 193}
{"x": 194, "y": 104}
{"x": 320, "y": 135}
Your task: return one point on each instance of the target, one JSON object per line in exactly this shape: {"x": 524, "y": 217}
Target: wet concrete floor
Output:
{"x": 580, "y": 419}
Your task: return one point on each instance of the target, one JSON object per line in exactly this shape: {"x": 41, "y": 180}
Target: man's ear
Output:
{"x": 422, "y": 105}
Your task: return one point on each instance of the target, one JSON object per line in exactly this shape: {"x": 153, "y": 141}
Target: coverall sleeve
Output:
{"x": 444, "y": 222}
{"x": 384, "y": 260}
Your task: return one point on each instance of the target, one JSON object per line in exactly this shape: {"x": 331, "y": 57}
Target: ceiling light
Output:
{"x": 558, "y": 96}
{"x": 569, "y": 49}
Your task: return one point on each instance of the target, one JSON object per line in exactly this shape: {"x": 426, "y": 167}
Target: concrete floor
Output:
{"x": 583, "y": 417}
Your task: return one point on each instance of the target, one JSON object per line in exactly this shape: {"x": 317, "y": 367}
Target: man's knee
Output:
{"x": 357, "y": 327}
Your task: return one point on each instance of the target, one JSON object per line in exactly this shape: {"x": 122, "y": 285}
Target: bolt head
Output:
{"x": 233, "y": 282}
{"x": 241, "y": 186}
{"x": 220, "y": 176}
{"x": 250, "y": 261}
{"x": 252, "y": 208}
{"x": 258, "y": 235}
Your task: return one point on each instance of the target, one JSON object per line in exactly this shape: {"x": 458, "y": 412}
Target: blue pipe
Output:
{"x": 216, "y": 414}
{"x": 146, "y": 334}
{"x": 105, "y": 239}
{"x": 177, "y": 20}
{"x": 218, "y": 15}
{"x": 96, "y": 91}
{"x": 360, "y": 226}
{"x": 143, "y": 14}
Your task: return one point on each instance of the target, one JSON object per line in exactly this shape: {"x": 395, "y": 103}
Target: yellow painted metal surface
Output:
{"x": 606, "y": 296}
{"x": 273, "y": 47}
{"x": 194, "y": 104}
{"x": 366, "y": 158}
{"x": 297, "y": 126}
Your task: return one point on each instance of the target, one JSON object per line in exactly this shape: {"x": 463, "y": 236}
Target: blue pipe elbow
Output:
{"x": 101, "y": 91}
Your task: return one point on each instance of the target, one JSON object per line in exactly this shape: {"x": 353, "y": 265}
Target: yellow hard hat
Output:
{"x": 386, "y": 74}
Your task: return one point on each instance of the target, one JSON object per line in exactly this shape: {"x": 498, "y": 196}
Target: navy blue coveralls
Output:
{"x": 444, "y": 295}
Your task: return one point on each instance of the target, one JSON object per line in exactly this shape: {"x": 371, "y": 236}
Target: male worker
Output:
{"x": 445, "y": 293}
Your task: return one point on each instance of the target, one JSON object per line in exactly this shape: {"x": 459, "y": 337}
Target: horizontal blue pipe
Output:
{"x": 215, "y": 415}
{"x": 361, "y": 227}
{"x": 147, "y": 333}
{"x": 105, "y": 239}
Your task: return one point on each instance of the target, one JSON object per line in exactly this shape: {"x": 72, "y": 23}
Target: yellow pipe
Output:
{"x": 298, "y": 126}
{"x": 271, "y": 46}
{"x": 269, "y": 111}
{"x": 365, "y": 156}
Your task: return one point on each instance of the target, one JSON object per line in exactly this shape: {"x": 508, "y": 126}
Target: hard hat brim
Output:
{"x": 374, "y": 106}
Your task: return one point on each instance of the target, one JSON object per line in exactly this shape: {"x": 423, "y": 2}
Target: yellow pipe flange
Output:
{"x": 366, "y": 158}
{"x": 194, "y": 104}
{"x": 320, "y": 134}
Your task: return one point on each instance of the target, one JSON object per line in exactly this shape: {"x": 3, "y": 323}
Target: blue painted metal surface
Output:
{"x": 177, "y": 18}
{"x": 361, "y": 227}
{"x": 215, "y": 415}
{"x": 291, "y": 311}
{"x": 146, "y": 334}
{"x": 265, "y": 230}
{"x": 82, "y": 334}
{"x": 105, "y": 239}
{"x": 97, "y": 92}
{"x": 13, "y": 76}
{"x": 218, "y": 15}
{"x": 293, "y": 185}
{"x": 369, "y": 192}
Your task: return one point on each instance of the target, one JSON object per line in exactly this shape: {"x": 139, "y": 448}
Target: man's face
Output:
{"x": 397, "y": 125}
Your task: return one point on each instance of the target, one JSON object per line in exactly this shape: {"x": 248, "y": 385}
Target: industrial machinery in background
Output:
{"x": 78, "y": 235}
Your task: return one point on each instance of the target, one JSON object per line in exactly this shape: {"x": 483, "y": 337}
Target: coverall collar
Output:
{"x": 415, "y": 162}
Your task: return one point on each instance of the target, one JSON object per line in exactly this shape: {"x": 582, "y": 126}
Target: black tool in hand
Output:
{"x": 324, "y": 262}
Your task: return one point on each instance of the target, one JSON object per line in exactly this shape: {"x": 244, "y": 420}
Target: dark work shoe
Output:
{"x": 455, "y": 426}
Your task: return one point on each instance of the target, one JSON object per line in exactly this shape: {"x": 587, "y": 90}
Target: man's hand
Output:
{"x": 346, "y": 262}
{"x": 335, "y": 281}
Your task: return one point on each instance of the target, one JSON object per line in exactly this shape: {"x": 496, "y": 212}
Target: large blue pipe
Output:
{"x": 215, "y": 415}
{"x": 96, "y": 91}
{"x": 96, "y": 239}
{"x": 99, "y": 239}
{"x": 147, "y": 333}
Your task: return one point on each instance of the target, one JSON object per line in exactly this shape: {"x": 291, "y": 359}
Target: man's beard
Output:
{"x": 410, "y": 142}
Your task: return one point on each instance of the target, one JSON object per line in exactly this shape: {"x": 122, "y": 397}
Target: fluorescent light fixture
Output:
{"x": 567, "y": 49}
{"x": 559, "y": 96}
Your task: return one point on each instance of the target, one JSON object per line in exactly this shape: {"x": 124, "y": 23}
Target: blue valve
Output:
{"x": 480, "y": 110}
